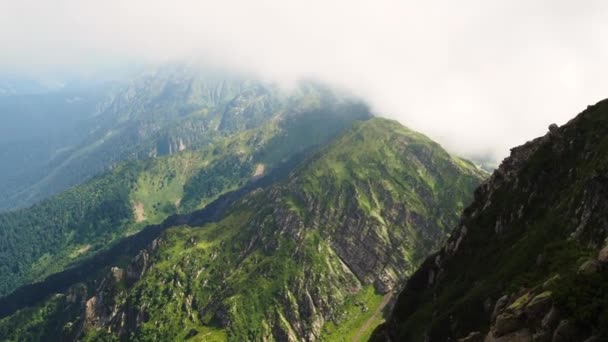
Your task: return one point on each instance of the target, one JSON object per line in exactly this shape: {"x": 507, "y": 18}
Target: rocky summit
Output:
{"x": 528, "y": 259}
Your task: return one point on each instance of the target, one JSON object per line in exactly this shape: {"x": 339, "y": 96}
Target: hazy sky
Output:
{"x": 479, "y": 76}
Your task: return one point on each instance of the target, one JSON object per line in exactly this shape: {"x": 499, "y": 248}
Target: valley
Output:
{"x": 272, "y": 216}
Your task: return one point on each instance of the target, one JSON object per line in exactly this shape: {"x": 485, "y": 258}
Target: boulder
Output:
{"x": 589, "y": 267}
{"x": 602, "y": 256}
{"x": 499, "y": 306}
{"x": 538, "y": 306}
{"x": 118, "y": 274}
{"x": 551, "y": 319}
{"x": 553, "y": 128}
{"x": 507, "y": 323}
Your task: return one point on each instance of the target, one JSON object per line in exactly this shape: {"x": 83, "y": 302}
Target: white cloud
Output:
{"x": 479, "y": 76}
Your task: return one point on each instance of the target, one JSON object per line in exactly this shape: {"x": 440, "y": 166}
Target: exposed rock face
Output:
{"x": 507, "y": 323}
{"x": 589, "y": 267}
{"x": 290, "y": 260}
{"x": 520, "y": 244}
{"x": 107, "y": 308}
{"x": 602, "y": 257}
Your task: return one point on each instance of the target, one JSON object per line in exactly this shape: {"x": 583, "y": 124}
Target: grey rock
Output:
{"x": 118, "y": 274}
{"x": 538, "y": 306}
{"x": 507, "y": 323}
{"x": 501, "y": 303}
{"x": 553, "y": 128}
{"x": 589, "y": 267}
{"x": 137, "y": 268}
{"x": 551, "y": 319}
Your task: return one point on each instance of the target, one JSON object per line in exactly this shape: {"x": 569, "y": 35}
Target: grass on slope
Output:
{"x": 358, "y": 311}
{"x": 247, "y": 271}
{"x": 249, "y": 274}
{"x": 75, "y": 224}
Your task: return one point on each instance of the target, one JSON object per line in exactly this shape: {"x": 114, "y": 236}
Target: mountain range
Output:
{"x": 202, "y": 206}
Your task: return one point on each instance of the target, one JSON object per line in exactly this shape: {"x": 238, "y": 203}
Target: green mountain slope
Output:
{"x": 528, "y": 259}
{"x": 160, "y": 112}
{"x": 312, "y": 257}
{"x": 75, "y": 224}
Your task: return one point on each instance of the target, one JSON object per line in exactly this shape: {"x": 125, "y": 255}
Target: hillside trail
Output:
{"x": 377, "y": 313}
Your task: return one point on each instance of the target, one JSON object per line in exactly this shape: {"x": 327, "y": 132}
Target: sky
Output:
{"x": 477, "y": 76}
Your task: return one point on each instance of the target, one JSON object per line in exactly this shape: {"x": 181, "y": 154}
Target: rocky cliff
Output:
{"x": 527, "y": 262}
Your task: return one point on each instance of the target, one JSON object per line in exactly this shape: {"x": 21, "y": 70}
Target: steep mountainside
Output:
{"x": 75, "y": 224}
{"x": 160, "y": 112}
{"x": 528, "y": 260}
{"x": 313, "y": 257}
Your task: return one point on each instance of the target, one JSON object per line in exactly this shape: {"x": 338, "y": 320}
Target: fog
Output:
{"x": 478, "y": 76}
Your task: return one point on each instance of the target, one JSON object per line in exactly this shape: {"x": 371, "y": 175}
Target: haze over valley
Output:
{"x": 314, "y": 171}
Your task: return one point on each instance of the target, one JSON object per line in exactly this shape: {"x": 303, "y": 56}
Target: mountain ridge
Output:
{"x": 278, "y": 266}
{"x": 161, "y": 111}
{"x": 82, "y": 220}
{"x": 527, "y": 259}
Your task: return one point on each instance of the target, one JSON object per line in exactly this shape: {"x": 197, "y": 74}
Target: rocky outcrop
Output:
{"x": 107, "y": 309}
{"x": 529, "y": 317}
{"x": 519, "y": 246}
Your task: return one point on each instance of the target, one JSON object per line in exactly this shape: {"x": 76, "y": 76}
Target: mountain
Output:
{"x": 316, "y": 255}
{"x": 36, "y": 128}
{"x": 161, "y": 111}
{"x": 79, "y": 222}
{"x": 528, "y": 260}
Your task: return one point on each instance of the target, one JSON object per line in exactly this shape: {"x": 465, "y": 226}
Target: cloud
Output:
{"x": 478, "y": 76}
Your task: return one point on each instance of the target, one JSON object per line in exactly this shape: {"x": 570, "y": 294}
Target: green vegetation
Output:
{"x": 77, "y": 223}
{"x": 252, "y": 273}
{"x": 357, "y": 312}
{"x": 530, "y": 230}
{"x": 41, "y": 240}
{"x": 41, "y": 323}
{"x": 310, "y": 256}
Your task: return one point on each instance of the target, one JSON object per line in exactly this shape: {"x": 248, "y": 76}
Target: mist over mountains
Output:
{"x": 478, "y": 77}
{"x": 314, "y": 171}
